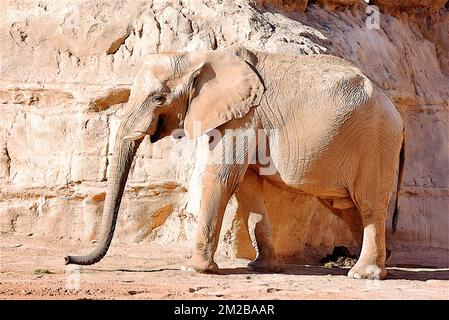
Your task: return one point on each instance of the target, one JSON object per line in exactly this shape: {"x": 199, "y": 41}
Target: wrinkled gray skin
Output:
{"x": 336, "y": 136}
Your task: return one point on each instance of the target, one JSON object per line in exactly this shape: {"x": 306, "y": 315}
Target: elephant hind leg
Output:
{"x": 368, "y": 229}
{"x": 368, "y": 226}
{"x": 251, "y": 207}
{"x": 371, "y": 193}
{"x": 371, "y": 263}
{"x": 353, "y": 219}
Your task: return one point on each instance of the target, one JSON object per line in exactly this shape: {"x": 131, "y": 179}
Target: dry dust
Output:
{"x": 32, "y": 268}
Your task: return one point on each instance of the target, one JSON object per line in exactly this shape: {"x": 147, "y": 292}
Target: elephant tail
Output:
{"x": 398, "y": 188}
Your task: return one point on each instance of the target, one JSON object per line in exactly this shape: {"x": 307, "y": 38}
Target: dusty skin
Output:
{"x": 33, "y": 268}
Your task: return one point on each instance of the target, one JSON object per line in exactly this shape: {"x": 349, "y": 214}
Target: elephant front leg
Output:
{"x": 260, "y": 233}
{"x": 220, "y": 182}
{"x": 251, "y": 206}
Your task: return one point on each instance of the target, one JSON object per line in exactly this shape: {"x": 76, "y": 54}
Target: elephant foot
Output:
{"x": 264, "y": 265}
{"x": 367, "y": 271}
{"x": 200, "y": 266}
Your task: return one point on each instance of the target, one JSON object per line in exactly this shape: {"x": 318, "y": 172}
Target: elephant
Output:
{"x": 329, "y": 131}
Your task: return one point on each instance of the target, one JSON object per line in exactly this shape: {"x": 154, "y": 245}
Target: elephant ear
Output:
{"x": 225, "y": 88}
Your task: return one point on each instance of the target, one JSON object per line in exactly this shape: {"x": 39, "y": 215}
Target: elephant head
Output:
{"x": 196, "y": 92}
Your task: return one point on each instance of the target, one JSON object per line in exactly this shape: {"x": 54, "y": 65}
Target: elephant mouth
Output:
{"x": 161, "y": 132}
{"x": 158, "y": 134}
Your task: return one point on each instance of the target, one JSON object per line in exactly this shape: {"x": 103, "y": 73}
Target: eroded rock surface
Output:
{"x": 66, "y": 68}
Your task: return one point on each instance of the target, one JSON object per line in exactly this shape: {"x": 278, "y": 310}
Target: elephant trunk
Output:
{"x": 124, "y": 152}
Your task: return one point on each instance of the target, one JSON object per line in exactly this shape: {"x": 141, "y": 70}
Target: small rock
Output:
{"x": 42, "y": 271}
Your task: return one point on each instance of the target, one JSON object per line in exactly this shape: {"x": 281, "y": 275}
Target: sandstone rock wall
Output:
{"x": 65, "y": 72}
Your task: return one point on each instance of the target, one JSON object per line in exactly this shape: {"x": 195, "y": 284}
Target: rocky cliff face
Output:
{"x": 65, "y": 72}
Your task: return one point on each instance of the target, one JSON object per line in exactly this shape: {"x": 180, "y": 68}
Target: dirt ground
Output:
{"x": 32, "y": 268}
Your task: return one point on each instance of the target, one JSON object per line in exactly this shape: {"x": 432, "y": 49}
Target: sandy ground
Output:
{"x": 32, "y": 268}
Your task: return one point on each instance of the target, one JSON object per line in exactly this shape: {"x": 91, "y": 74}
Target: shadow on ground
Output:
{"x": 309, "y": 270}
{"x": 393, "y": 273}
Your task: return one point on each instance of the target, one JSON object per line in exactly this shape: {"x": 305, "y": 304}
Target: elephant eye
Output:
{"x": 158, "y": 99}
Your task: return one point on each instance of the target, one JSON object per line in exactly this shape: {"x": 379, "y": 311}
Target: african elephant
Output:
{"x": 328, "y": 131}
